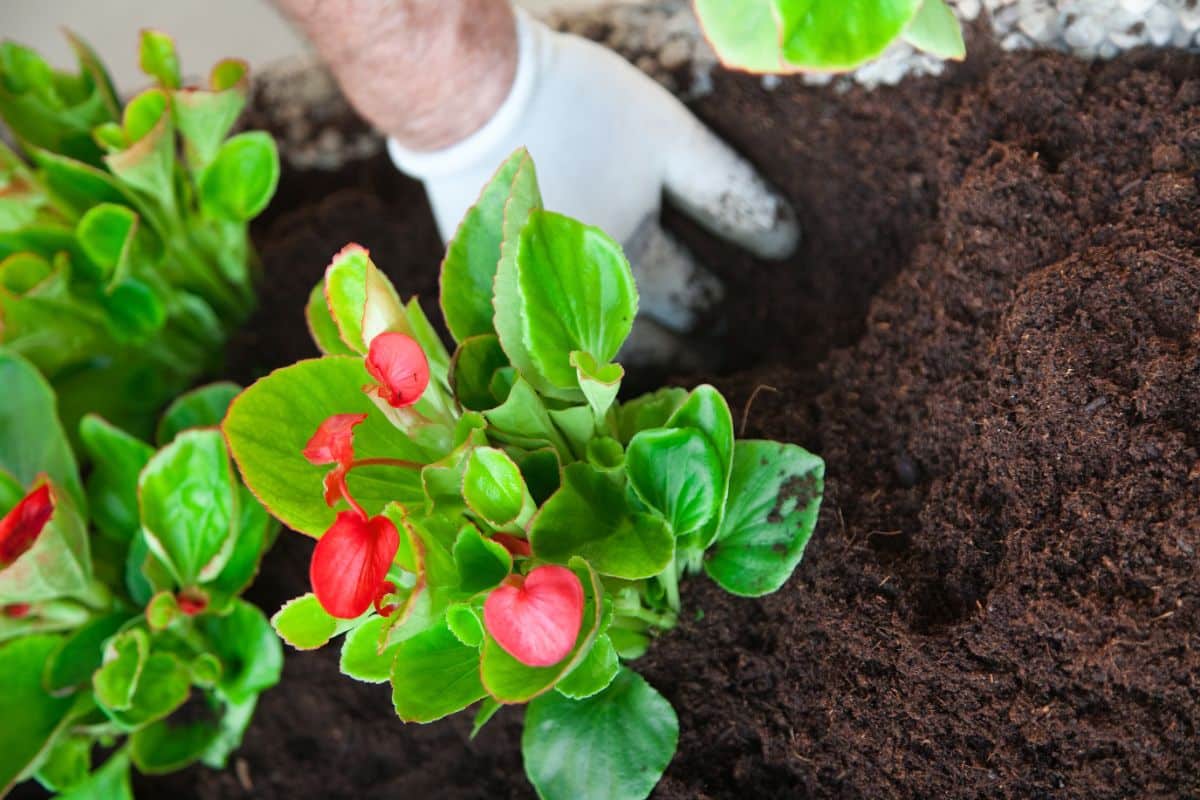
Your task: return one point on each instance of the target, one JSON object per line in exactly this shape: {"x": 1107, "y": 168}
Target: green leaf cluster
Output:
{"x": 127, "y": 606}
{"x": 814, "y": 35}
{"x": 520, "y": 454}
{"x": 124, "y": 253}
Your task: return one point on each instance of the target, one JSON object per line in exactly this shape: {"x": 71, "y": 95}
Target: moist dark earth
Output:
{"x": 991, "y": 334}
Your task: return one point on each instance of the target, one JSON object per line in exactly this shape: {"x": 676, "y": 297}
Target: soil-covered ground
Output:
{"x": 991, "y": 334}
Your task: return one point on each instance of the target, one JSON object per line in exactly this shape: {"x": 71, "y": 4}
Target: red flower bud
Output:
{"x": 399, "y": 365}
{"x": 20, "y": 528}
{"x": 16, "y": 610}
{"x": 350, "y": 563}
{"x": 537, "y": 620}
{"x": 191, "y": 601}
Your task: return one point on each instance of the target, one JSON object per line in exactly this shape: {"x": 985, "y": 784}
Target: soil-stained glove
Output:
{"x": 607, "y": 141}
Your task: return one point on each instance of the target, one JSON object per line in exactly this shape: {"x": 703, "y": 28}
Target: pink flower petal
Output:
{"x": 350, "y": 563}
{"x": 333, "y": 443}
{"x": 537, "y": 622}
{"x": 398, "y": 363}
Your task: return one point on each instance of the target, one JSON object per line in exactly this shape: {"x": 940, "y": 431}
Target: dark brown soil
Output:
{"x": 991, "y": 334}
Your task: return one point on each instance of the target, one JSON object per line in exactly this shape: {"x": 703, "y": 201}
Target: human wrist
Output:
{"x": 424, "y": 72}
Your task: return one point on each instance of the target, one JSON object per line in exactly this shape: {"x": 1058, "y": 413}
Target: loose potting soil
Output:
{"x": 991, "y": 334}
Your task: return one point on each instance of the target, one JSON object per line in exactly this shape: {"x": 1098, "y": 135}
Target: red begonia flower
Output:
{"x": 350, "y": 563}
{"x": 21, "y": 526}
{"x": 536, "y": 620}
{"x": 333, "y": 443}
{"x": 17, "y": 610}
{"x": 398, "y": 363}
{"x": 514, "y": 544}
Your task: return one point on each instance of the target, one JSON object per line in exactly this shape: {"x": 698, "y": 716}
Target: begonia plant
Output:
{"x": 780, "y": 36}
{"x": 123, "y": 639}
{"x": 494, "y": 527}
{"x": 124, "y": 254}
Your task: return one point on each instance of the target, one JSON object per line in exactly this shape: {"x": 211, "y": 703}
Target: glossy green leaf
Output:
{"x": 705, "y": 410}
{"x": 106, "y": 234}
{"x": 304, "y": 623}
{"x": 250, "y": 653}
{"x": 494, "y": 489}
{"x": 270, "y": 423}
{"x": 162, "y": 610}
{"x": 157, "y": 58}
{"x": 57, "y": 565}
{"x": 523, "y": 198}
{"x": 469, "y": 269}
{"x": 31, "y": 439}
{"x": 205, "y": 117}
{"x": 117, "y": 459}
{"x": 80, "y": 654}
{"x": 22, "y": 273}
{"x": 487, "y": 709}
{"x": 676, "y": 472}
{"x": 935, "y": 30}
{"x": 189, "y": 501}
{"x": 148, "y": 164}
{"x": 80, "y": 186}
{"x": 589, "y": 517}
{"x": 109, "y": 782}
{"x": 231, "y": 728}
{"x": 166, "y": 746}
{"x": 434, "y": 675}
{"x": 648, "y": 411}
{"x": 321, "y": 325}
{"x": 162, "y": 687}
{"x": 542, "y": 472}
{"x": 242, "y": 178}
{"x": 614, "y": 745}
{"x": 577, "y": 293}
{"x": 465, "y": 624}
{"x": 67, "y": 763}
{"x": 594, "y": 673}
{"x": 791, "y": 35}
{"x": 522, "y": 420}
{"x": 472, "y": 368}
{"x": 116, "y": 682}
{"x": 31, "y": 716}
{"x": 203, "y": 407}
{"x": 509, "y": 681}
{"x": 481, "y": 562}
{"x": 599, "y": 382}
{"x": 774, "y": 498}
{"x": 256, "y": 533}
{"x": 362, "y": 658}
{"x": 135, "y": 310}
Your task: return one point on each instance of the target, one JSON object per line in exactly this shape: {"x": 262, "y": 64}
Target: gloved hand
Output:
{"x": 607, "y": 141}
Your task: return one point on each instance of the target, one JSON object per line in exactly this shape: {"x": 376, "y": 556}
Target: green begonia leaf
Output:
{"x": 434, "y": 675}
{"x": 157, "y": 58}
{"x": 465, "y": 624}
{"x": 165, "y": 746}
{"x": 203, "y": 407}
{"x": 482, "y": 563}
{"x": 577, "y": 293}
{"x": 240, "y": 181}
{"x": 321, "y": 325}
{"x": 304, "y": 623}
{"x": 162, "y": 686}
{"x": 117, "y": 679}
{"x": 270, "y": 423}
{"x": 362, "y": 658}
{"x": 67, "y": 763}
{"x": 469, "y": 268}
{"x": 648, "y": 411}
{"x": 189, "y": 503}
{"x": 472, "y": 369}
{"x": 57, "y": 565}
{"x": 80, "y": 654}
{"x": 31, "y": 439}
{"x": 599, "y": 382}
{"x": 117, "y": 460}
{"x": 774, "y": 497}
{"x": 494, "y": 489}
{"x": 250, "y": 653}
{"x": 31, "y": 716}
{"x": 589, "y": 517}
{"x": 935, "y": 30}
{"x": 206, "y": 117}
{"x": 676, "y": 472}
{"x": 594, "y": 673}
{"x": 110, "y": 782}
{"x": 523, "y": 198}
{"x": 705, "y": 410}
{"x": 612, "y": 746}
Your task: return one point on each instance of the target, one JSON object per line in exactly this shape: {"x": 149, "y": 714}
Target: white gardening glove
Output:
{"x": 607, "y": 141}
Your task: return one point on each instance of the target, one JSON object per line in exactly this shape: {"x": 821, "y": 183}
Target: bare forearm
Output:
{"x": 427, "y": 72}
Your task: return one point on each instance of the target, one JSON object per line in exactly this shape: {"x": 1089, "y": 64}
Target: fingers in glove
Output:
{"x": 711, "y": 183}
{"x": 673, "y": 288}
{"x": 652, "y": 345}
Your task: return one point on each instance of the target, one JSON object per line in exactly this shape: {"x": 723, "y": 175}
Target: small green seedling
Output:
{"x": 124, "y": 254}
{"x": 123, "y": 639}
{"x": 494, "y": 526}
{"x": 775, "y": 36}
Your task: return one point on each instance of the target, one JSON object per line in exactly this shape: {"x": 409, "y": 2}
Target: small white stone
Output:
{"x": 967, "y": 9}
{"x": 1039, "y": 25}
{"x": 1159, "y": 25}
{"x": 1014, "y": 41}
{"x": 1085, "y": 34}
{"x": 771, "y": 82}
{"x": 1138, "y": 7}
